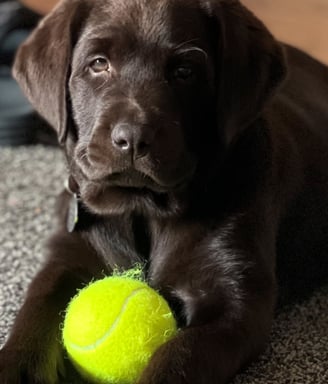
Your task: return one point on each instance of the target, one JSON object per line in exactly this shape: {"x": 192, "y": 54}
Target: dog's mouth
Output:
{"x": 133, "y": 190}
{"x": 132, "y": 178}
{"x": 141, "y": 187}
{"x": 135, "y": 181}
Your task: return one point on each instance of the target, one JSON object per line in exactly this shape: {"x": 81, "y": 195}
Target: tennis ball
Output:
{"x": 113, "y": 326}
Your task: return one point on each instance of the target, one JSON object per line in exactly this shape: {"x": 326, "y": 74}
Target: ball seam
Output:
{"x": 108, "y": 333}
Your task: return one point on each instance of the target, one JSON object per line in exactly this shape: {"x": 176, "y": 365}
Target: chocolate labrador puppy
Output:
{"x": 197, "y": 145}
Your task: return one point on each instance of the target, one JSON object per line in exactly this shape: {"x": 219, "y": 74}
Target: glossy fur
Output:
{"x": 208, "y": 179}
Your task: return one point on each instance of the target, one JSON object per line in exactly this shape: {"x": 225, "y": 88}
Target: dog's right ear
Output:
{"x": 251, "y": 65}
{"x": 42, "y": 64}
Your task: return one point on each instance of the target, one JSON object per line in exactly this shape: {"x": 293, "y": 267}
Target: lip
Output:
{"x": 133, "y": 179}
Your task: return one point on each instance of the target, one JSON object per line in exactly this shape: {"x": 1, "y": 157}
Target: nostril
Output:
{"x": 122, "y": 137}
{"x": 142, "y": 148}
{"x": 131, "y": 139}
{"x": 121, "y": 143}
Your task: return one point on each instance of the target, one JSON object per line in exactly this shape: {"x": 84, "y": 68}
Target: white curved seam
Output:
{"x": 111, "y": 329}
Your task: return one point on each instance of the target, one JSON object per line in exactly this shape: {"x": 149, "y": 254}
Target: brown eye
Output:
{"x": 100, "y": 64}
{"x": 183, "y": 73}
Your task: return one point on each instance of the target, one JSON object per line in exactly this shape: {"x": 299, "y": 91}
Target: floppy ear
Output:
{"x": 251, "y": 65}
{"x": 42, "y": 63}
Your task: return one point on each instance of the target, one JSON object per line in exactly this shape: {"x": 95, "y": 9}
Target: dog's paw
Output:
{"x": 18, "y": 367}
{"x": 166, "y": 367}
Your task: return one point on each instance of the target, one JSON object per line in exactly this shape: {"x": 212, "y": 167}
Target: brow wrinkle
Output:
{"x": 192, "y": 49}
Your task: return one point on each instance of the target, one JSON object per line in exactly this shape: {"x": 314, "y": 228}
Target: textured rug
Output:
{"x": 31, "y": 177}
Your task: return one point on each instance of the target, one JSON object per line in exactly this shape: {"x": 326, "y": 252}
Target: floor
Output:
{"x": 303, "y": 23}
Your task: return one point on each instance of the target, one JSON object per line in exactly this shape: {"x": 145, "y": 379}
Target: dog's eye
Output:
{"x": 183, "y": 73}
{"x": 100, "y": 64}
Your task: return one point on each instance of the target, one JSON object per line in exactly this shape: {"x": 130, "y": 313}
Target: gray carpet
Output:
{"x": 31, "y": 177}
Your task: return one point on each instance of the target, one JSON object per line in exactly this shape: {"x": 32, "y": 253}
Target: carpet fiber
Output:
{"x": 31, "y": 177}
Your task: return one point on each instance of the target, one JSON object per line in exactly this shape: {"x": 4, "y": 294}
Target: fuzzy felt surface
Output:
{"x": 112, "y": 328}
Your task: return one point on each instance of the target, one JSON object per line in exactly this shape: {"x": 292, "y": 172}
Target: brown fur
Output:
{"x": 216, "y": 181}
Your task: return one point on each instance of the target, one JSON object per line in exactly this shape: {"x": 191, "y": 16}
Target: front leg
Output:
{"x": 227, "y": 287}
{"x": 211, "y": 353}
{"x": 33, "y": 353}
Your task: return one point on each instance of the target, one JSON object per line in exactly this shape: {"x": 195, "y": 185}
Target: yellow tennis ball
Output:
{"x": 113, "y": 326}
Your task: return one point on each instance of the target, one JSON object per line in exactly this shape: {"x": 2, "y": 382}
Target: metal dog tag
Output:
{"x": 73, "y": 213}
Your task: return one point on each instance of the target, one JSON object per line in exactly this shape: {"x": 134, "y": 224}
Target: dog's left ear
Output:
{"x": 251, "y": 65}
{"x": 42, "y": 63}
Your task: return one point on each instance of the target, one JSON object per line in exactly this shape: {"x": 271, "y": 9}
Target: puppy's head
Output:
{"x": 147, "y": 95}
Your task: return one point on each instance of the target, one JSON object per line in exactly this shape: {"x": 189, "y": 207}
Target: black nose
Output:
{"x": 130, "y": 139}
